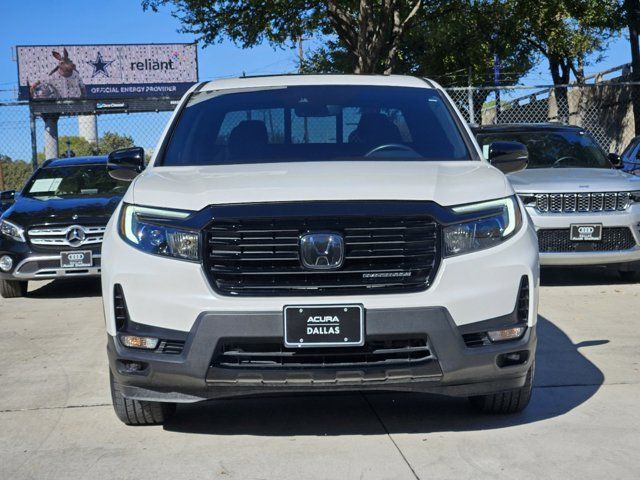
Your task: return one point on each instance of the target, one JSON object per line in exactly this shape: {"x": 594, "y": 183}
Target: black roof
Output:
{"x": 525, "y": 127}
{"x": 75, "y": 161}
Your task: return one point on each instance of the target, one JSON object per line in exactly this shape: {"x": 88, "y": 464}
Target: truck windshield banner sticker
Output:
{"x": 58, "y": 72}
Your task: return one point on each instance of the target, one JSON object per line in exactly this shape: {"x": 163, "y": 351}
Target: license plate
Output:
{"x": 323, "y": 326}
{"x": 586, "y": 232}
{"x": 76, "y": 259}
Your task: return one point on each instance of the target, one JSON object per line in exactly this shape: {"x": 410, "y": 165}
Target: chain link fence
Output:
{"x": 602, "y": 109}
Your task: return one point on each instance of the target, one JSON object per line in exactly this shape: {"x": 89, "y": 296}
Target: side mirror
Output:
{"x": 508, "y": 156}
{"x": 616, "y": 160}
{"x": 8, "y": 196}
{"x": 125, "y": 164}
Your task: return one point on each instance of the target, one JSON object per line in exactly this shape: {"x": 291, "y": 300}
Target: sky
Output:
{"x": 42, "y": 22}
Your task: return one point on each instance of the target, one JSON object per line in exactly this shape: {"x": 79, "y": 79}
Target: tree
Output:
{"x": 566, "y": 32}
{"x": 81, "y": 147}
{"x": 13, "y": 173}
{"x": 112, "y": 141}
{"x": 630, "y": 20}
{"x": 370, "y": 31}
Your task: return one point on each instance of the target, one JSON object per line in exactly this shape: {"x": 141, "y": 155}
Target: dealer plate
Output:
{"x": 323, "y": 326}
{"x": 586, "y": 232}
{"x": 76, "y": 259}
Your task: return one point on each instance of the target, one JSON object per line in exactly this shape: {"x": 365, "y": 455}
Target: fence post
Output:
{"x": 34, "y": 142}
{"x": 472, "y": 113}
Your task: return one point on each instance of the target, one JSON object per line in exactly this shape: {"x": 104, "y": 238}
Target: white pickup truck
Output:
{"x": 313, "y": 233}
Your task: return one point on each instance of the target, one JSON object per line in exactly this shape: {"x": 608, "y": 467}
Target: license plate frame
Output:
{"x": 585, "y": 232}
{"x": 76, "y": 259}
{"x": 297, "y": 319}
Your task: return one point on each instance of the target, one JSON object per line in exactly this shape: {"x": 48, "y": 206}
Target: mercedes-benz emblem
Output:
{"x": 76, "y": 236}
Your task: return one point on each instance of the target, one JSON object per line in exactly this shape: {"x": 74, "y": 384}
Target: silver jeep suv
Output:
{"x": 585, "y": 209}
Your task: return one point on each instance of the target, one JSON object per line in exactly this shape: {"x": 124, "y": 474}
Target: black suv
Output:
{"x": 54, "y": 226}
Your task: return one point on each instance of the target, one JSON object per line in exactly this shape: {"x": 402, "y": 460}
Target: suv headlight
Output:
{"x": 149, "y": 229}
{"x": 11, "y": 230}
{"x": 635, "y": 196}
{"x": 502, "y": 221}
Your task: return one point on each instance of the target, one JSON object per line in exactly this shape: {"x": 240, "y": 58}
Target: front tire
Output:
{"x": 138, "y": 412}
{"x": 13, "y": 288}
{"x": 511, "y": 401}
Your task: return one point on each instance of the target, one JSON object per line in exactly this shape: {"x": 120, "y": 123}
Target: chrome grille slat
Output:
{"x": 56, "y": 235}
{"x": 582, "y": 202}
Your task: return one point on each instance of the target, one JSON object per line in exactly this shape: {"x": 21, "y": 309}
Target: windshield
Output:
{"x": 74, "y": 181}
{"x": 315, "y": 123}
{"x": 553, "y": 149}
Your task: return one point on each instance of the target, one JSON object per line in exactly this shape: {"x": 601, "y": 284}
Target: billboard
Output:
{"x": 57, "y": 72}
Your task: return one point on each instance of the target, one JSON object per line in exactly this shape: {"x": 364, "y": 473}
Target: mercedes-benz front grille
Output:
{"x": 66, "y": 235}
{"x": 581, "y": 202}
{"x": 261, "y": 256}
{"x": 555, "y": 240}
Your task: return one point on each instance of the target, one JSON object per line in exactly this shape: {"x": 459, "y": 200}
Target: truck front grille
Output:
{"x": 582, "y": 202}
{"x": 260, "y": 256}
{"x": 558, "y": 240}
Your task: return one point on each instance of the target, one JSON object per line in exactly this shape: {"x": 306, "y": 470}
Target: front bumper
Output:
{"x": 192, "y": 375}
{"x": 473, "y": 291}
{"x": 45, "y": 267}
{"x": 629, "y": 218}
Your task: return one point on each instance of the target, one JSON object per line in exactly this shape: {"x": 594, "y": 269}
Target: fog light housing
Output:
{"x": 511, "y": 333}
{"x": 6, "y": 263}
{"x": 133, "y": 341}
{"x": 130, "y": 367}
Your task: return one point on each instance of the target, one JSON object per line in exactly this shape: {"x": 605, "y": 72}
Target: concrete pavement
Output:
{"x": 56, "y": 419}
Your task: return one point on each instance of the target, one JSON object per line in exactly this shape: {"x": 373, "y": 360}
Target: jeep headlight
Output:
{"x": 502, "y": 221}
{"x": 149, "y": 229}
{"x": 11, "y": 230}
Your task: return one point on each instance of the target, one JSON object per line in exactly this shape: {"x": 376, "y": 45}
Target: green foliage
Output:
{"x": 14, "y": 173}
{"x": 81, "y": 147}
{"x": 112, "y": 141}
{"x": 567, "y": 31}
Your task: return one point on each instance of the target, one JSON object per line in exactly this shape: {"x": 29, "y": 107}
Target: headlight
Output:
{"x": 12, "y": 230}
{"x": 635, "y": 196}
{"x": 146, "y": 229}
{"x": 485, "y": 232}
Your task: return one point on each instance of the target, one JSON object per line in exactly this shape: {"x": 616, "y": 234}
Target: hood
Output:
{"x": 27, "y": 211}
{"x": 561, "y": 180}
{"x": 193, "y": 188}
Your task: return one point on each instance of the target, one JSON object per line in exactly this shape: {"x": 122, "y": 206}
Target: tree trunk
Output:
{"x": 560, "y": 73}
{"x": 632, "y": 8}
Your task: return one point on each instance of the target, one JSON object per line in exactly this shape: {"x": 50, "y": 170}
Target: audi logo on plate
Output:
{"x": 586, "y": 230}
{"x": 75, "y": 256}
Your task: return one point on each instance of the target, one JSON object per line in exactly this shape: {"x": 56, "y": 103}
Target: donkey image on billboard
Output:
{"x": 57, "y": 72}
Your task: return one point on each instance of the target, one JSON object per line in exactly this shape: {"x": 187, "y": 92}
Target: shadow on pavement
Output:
{"x": 564, "y": 380}
{"x": 73, "y": 288}
{"x": 576, "y": 276}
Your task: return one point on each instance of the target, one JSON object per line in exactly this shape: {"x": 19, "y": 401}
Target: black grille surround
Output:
{"x": 558, "y": 240}
{"x": 384, "y": 253}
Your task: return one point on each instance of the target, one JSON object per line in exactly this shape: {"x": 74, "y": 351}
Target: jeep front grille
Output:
{"x": 556, "y": 240}
{"x": 260, "y": 256}
{"x": 581, "y": 202}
